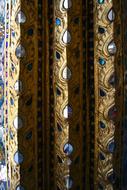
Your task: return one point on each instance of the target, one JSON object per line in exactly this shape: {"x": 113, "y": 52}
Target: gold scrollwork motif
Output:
{"x": 60, "y": 86}
{"x": 68, "y": 82}
{"x": 21, "y": 93}
{"x": 106, "y": 51}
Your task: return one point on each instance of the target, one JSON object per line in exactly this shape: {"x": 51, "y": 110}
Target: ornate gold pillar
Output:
{"x": 63, "y": 94}
{"x": 21, "y": 94}
{"x": 68, "y": 93}
{"x": 108, "y": 93}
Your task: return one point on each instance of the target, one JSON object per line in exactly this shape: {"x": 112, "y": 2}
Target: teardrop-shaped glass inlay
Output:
{"x": 1, "y": 134}
{"x": 67, "y": 112}
{"x": 102, "y": 125}
{"x": 68, "y": 182}
{"x": 66, "y": 73}
{"x": 19, "y": 187}
{"x": 59, "y": 127}
{"x": 11, "y": 135}
{"x": 11, "y": 101}
{"x": 18, "y": 157}
{"x": 20, "y": 18}
{"x": 58, "y": 22}
{"x": 112, "y": 177}
{"x": 102, "y": 61}
{"x": 111, "y": 147}
{"x": 68, "y": 148}
{"x": 18, "y": 123}
{"x": 112, "y": 48}
{"x": 101, "y": 30}
{"x": 58, "y": 92}
{"x": 102, "y": 93}
{"x": 112, "y": 113}
{"x": 68, "y": 162}
{"x": 101, "y": 1}
{"x": 111, "y": 15}
{"x": 66, "y": 37}
{"x": 18, "y": 86}
{"x": 57, "y": 55}
{"x": 112, "y": 80}
{"x": 20, "y": 51}
{"x": 101, "y": 156}
{"x": 67, "y": 4}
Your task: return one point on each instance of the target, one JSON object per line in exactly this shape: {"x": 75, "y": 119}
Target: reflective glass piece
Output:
{"x": 18, "y": 157}
{"x": 20, "y": 18}
{"x": 68, "y": 149}
{"x": 67, "y": 4}
{"x": 112, "y": 48}
{"x": 66, "y": 37}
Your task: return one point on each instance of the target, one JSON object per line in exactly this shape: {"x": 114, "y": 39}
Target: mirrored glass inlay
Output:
{"x": 67, "y": 112}
{"x": 18, "y": 157}
{"x": 19, "y": 187}
{"x": 68, "y": 182}
{"x": 111, "y": 15}
{"x": 18, "y": 86}
{"x": 68, "y": 148}
{"x": 20, "y": 51}
{"x": 66, "y": 37}
{"x": 112, "y": 48}
{"x": 67, "y": 4}
{"x": 18, "y": 123}
{"x": 66, "y": 73}
{"x": 20, "y": 18}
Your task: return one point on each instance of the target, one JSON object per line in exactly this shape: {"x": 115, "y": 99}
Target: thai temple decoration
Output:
{"x": 63, "y": 98}
{"x": 3, "y": 169}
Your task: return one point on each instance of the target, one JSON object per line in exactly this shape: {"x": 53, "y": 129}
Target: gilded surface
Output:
{"x": 68, "y": 102}
{"x": 106, "y": 102}
{"x": 21, "y": 94}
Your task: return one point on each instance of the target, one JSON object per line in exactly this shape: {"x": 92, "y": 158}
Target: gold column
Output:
{"x": 68, "y": 93}
{"x": 108, "y": 104}
{"x": 21, "y": 70}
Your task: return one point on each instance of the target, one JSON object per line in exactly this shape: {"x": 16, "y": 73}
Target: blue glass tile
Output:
{"x": 102, "y": 61}
{"x": 112, "y": 178}
{"x": 57, "y": 55}
{"x": 101, "y": 156}
{"x": 101, "y": 30}
{"x": 13, "y": 33}
{"x": 11, "y": 134}
{"x": 11, "y": 101}
{"x": 102, "y": 125}
{"x": 58, "y": 22}
{"x": 68, "y": 149}
{"x": 58, "y": 92}
{"x": 68, "y": 182}
{"x": 19, "y": 187}
{"x": 18, "y": 157}
{"x": 102, "y": 93}
{"x": 100, "y": 1}
{"x": 111, "y": 147}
